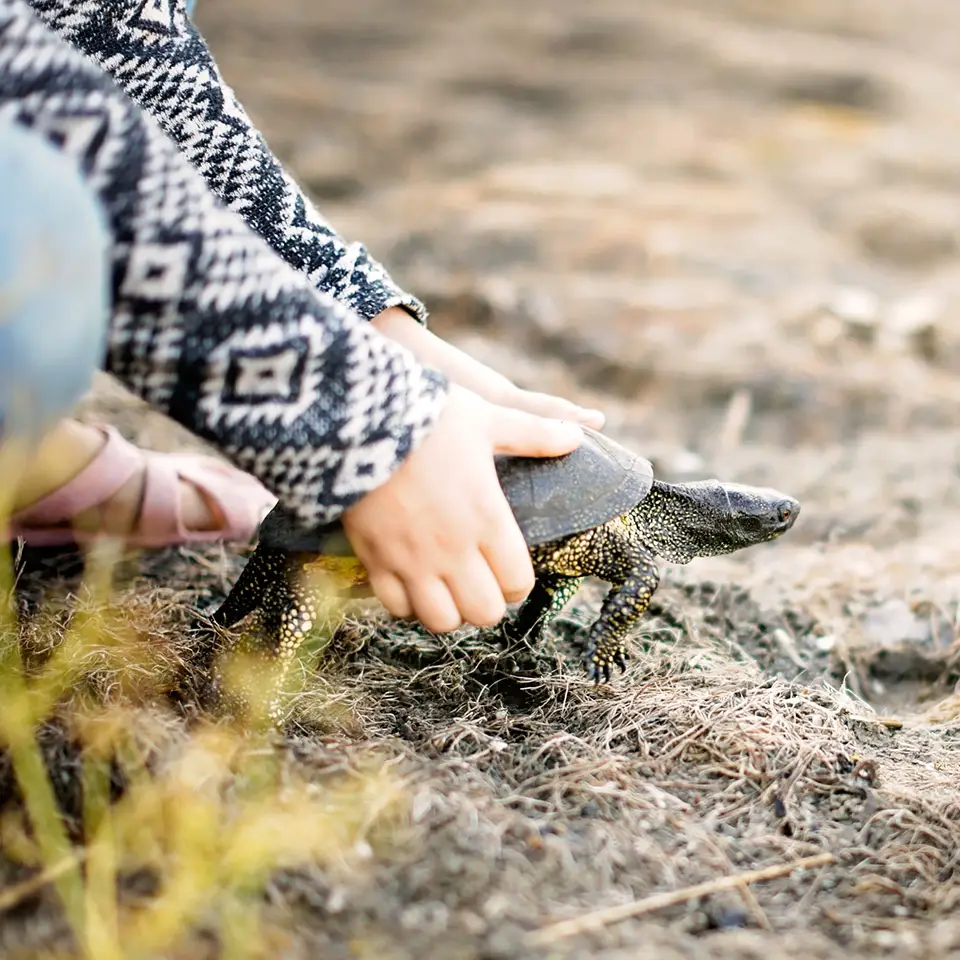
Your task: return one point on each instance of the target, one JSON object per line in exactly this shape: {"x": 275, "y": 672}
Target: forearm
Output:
{"x": 436, "y": 352}
{"x": 208, "y": 324}
{"x": 165, "y": 66}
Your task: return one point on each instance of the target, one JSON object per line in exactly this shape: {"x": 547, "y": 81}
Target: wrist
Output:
{"x": 396, "y": 320}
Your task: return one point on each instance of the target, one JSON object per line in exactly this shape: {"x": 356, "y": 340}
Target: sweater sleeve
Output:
{"x": 209, "y": 325}
{"x": 153, "y": 51}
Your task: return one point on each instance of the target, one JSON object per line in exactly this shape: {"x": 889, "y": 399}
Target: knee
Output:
{"x": 54, "y": 283}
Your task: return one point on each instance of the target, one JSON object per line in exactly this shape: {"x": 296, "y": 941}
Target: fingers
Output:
{"x": 589, "y": 417}
{"x": 506, "y": 554}
{"x": 438, "y": 539}
{"x": 433, "y": 605}
{"x": 468, "y": 372}
{"x": 521, "y": 434}
{"x": 391, "y": 592}
{"x": 557, "y": 408}
{"x": 476, "y": 592}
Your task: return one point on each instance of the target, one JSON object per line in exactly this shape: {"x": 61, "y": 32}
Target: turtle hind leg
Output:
{"x": 634, "y": 578}
{"x": 243, "y": 599}
{"x": 270, "y": 587}
{"x": 246, "y": 595}
{"x": 549, "y": 595}
{"x": 286, "y": 616}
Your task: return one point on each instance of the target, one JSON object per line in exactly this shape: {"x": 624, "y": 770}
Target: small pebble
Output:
{"x": 856, "y": 305}
{"x": 731, "y": 918}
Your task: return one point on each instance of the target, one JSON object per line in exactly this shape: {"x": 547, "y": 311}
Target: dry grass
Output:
{"x": 137, "y": 824}
{"x": 437, "y": 796}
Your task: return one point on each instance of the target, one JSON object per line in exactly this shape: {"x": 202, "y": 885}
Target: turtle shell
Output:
{"x": 551, "y": 497}
{"x": 554, "y": 497}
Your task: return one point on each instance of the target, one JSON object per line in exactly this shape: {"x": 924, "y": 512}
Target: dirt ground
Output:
{"x": 733, "y": 225}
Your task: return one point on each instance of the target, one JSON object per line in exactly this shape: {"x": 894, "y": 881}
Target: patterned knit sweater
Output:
{"x": 264, "y": 355}
{"x": 153, "y": 51}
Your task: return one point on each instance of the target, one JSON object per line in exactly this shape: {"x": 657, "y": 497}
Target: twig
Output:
{"x": 14, "y": 894}
{"x": 746, "y": 894}
{"x": 659, "y": 901}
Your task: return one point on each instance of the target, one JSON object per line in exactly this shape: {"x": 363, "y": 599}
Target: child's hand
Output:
{"x": 461, "y": 368}
{"x": 438, "y": 539}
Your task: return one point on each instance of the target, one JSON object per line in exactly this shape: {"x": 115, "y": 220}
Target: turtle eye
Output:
{"x": 784, "y": 512}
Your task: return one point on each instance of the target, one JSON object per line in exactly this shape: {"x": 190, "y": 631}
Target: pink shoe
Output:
{"x": 239, "y": 499}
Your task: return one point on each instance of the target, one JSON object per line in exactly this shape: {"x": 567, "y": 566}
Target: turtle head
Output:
{"x": 756, "y": 514}
{"x": 706, "y": 518}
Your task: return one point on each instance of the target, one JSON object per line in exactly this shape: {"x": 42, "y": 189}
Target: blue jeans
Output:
{"x": 54, "y": 284}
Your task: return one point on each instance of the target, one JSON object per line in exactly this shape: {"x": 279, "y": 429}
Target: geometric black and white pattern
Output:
{"x": 267, "y": 374}
{"x": 155, "y": 16}
{"x": 209, "y": 323}
{"x": 154, "y": 52}
{"x": 157, "y": 271}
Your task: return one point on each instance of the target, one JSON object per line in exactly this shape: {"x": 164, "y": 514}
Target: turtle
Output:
{"x": 596, "y": 511}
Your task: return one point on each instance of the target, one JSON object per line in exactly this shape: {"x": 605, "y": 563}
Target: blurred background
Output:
{"x": 732, "y": 224}
{"x": 672, "y": 201}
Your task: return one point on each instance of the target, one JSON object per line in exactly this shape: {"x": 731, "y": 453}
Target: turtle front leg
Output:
{"x": 548, "y": 597}
{"x": 634, "y": 578}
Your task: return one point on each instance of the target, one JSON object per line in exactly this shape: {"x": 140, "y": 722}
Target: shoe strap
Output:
{"x": 161, "y": 501}
{"x": 116, "y": 462}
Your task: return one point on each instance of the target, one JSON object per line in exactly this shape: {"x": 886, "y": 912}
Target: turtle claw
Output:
{"x": 592, "y": 672}
{"x": 598, "y": 672}
{"x": 600, "y": 664}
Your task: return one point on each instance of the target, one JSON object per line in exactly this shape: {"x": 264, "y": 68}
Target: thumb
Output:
{"x": 522, "y": 434}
